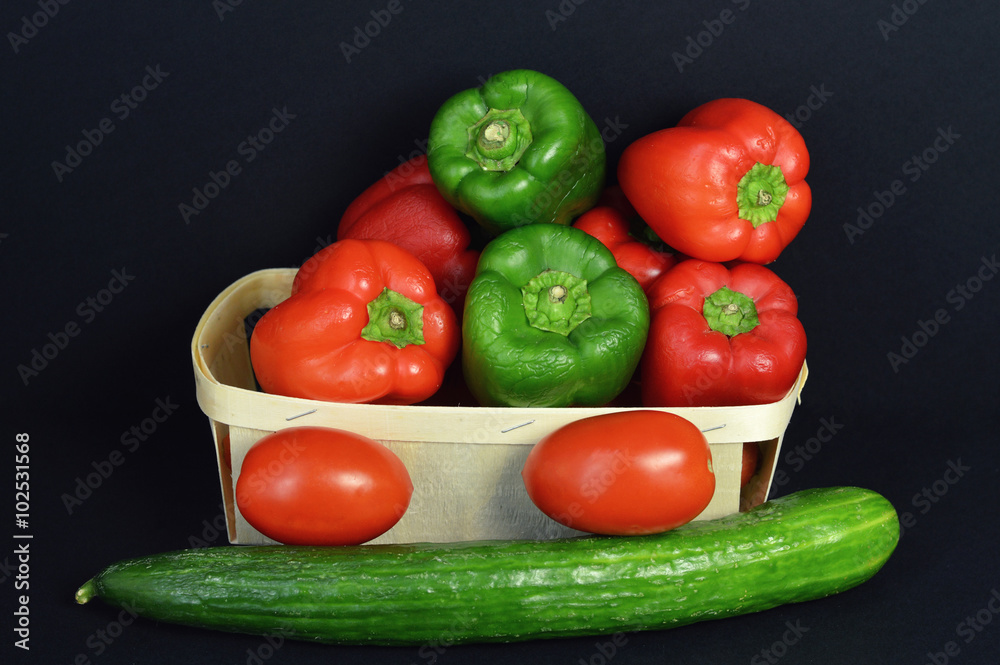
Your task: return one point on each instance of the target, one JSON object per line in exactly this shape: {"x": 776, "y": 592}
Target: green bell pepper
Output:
{"x": 551, "y": 320}
{"x": 519, "y": 149}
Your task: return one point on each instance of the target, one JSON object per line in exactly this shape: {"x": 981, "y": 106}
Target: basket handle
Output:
{"x": 221, "y": 326}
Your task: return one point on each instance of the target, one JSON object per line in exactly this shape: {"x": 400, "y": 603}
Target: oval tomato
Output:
{"x": 625, "y": 473}
{"x": 322, "y": 486}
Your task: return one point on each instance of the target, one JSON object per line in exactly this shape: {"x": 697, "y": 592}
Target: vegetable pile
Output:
{"x": 579, "y": 283}
{"x": 652, "y": 293}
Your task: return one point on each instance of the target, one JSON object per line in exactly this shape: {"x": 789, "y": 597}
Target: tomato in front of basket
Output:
{"x": 623, "y": 473}
{"x": 322, "y": 486}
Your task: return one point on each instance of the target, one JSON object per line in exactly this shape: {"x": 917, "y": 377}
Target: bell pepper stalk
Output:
{"x": 518, "y": 150}
{"x": 405, "y": 208}
{"x": 721, "y": 337}
{"x": 632, "y": 251}
{"x": 363, "y": 324}
{"x": 727, "y": 183}
{"x": 551, "y": 320}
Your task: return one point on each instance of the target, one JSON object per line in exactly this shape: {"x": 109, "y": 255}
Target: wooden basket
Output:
{"x": 465, "y": 461}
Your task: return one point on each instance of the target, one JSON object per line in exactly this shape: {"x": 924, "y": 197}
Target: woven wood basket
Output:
{"x": 465, "y": 461}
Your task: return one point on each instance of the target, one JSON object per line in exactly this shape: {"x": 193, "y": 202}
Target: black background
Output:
{"x": 872, "y": 85}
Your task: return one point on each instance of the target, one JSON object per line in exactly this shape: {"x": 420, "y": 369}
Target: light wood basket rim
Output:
{"x": 233, "y": 405}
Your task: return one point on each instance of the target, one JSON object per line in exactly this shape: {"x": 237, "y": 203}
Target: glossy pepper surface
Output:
{"x": 405, "y": 208}
{"x": 519, "y": 149}
{"x": 640, "y": 258}
{"x": 727, "y": 183}
{"x": 551, "y": 320}
{"x": 721, "y": 337}
{"x": 363, "y": 323}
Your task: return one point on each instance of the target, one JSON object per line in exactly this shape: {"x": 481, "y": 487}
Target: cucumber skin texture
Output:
{"x": 801, "y": 547}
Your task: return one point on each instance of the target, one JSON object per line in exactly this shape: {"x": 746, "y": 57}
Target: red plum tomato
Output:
{"x": 625, "y": 473}
{"x": 322, "y": 486}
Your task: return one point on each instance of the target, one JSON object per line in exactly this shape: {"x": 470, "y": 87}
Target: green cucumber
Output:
{"x": 800, "y": 547}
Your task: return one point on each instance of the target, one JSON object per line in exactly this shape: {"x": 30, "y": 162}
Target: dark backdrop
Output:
{"x": 103, "y": 274}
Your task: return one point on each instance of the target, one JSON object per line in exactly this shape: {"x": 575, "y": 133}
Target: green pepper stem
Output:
{"x": 498, "y": 139}
{"x": 556, "y": 301}
{"x": 730, "y": 312}
{"x": 760, "y": 193}
{"x": 494, "y": 135}
{"x": 394, "y": 318}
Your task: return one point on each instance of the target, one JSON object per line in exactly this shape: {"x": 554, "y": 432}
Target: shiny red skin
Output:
{"x": 630, "y": 472}
{"x": 609, "y": 225}
{"x": 406, "y": 208}
{"x": 686, "y": 363}
{"x": 310, "y": 345}
{"x": 682, "y": 181}
{"x": 322, "y": 486}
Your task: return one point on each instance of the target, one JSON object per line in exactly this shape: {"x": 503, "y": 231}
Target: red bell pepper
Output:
{"x": 406, "y": 209}
{"x": 363, "y": 324}
{"x": 727, "y": 183}
{"x": 721, "y": 337}
{"x": 641, "y": 260}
